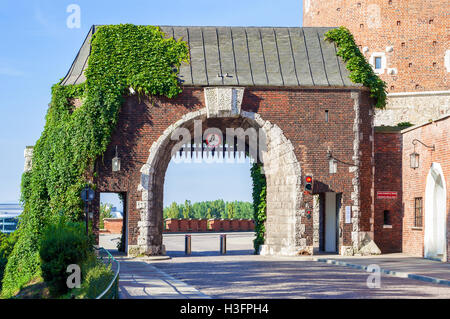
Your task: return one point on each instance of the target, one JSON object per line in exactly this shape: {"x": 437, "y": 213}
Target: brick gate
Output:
{"x": 288, "y": 85}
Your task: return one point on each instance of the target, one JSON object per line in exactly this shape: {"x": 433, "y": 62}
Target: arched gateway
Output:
{"x": 289, "y": 86}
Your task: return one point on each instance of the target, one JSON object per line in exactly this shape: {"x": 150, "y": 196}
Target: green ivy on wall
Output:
{"x": 259, "y": 204}
{"x": 360, "y": 70}
{"x": 122, "y": 57}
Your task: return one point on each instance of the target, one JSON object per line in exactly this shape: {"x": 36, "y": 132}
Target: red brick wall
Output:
{"x": 414, "y": 181}
{"x": 419, "y": 42}
{"x": 113, "y": 225}
{"x": 300, "y": 113}
{"x": 388, "y": 177}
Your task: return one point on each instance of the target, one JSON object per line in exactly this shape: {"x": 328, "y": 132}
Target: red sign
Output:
{"x": 387, "y": 195}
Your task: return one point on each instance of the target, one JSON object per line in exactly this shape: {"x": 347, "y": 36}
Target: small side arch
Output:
{"x": 435, "y": 239}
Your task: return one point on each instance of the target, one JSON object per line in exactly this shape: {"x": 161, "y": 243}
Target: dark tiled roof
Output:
{"x": 248, "y": 56}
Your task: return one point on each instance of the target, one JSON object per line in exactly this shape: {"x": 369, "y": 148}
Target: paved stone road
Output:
{"x": 240, "y": 274}
{"x": 299, "y": 277}
{"x": 140, "y": 280}
{"x": 208, "y": 244}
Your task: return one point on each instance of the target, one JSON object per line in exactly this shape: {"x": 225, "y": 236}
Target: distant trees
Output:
{"x": 172, "y": 212}
{"x": 105, "y": 212}
{"x": 231, "y": 210}
{"x": 187, "y": 209}
{"x": 210, "y": 209}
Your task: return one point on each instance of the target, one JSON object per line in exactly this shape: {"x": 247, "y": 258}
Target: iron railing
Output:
{"x": 112, "y": 291}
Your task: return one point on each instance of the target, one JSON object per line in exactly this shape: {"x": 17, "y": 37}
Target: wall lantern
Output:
{"x": 116, "y": 163}
{"x": 414, "y": 160}
{"x": 332, "y": 165}
{"x": 414, "y": 157}
{"x": 333, "y": 162}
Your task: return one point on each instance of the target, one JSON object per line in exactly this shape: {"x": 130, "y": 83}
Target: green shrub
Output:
{"x": 96, "y": 280}
{"x": 63, "y": 244}
{"x": 404, "y": 125}
{"x": 96, "y": 277}
{"x": 7, "y": 242}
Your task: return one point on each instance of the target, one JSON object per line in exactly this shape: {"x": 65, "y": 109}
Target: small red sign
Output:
{"x": 387, "y": 195}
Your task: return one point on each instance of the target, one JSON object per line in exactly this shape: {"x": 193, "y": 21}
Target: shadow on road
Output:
{"x": 181, "y": 254}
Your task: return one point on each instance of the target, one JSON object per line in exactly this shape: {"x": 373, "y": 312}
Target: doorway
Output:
{"x": 331, "y": 222}
{"x": 435, "y": 241}
{"x": 113, "y": 222}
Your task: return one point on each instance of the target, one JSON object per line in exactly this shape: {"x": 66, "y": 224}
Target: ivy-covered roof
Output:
{"x": 247, "y": 56}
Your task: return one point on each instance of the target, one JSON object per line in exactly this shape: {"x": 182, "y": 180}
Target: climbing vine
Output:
{"x": 360, "y": 70}
{"x": 259, "y": 204}
{"x": 122, "y": 57}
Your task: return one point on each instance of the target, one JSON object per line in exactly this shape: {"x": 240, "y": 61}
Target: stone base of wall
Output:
{"x": 274, "y": 250}
{"x": 413, "y": 107}
{"x": 136, "y": 250}
{"x": 347, "y": 251}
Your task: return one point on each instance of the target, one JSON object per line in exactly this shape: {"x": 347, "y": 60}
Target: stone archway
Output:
{"x": 435, "y": 241}
{"x": 285, "y": 232}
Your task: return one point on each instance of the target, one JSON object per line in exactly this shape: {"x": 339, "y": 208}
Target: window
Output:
{"x": 387, "y": 217}
{"x": 418, "y": 206}
{"x": 378, "y": 63}
{"x": 327, "y": 116}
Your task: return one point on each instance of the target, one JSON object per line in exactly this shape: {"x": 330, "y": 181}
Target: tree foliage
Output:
{"x": 218, "y": 209}
{"x": 105, "y": 212}
{"x": 122, "y": 56}
{"x": 7, "y": 242}
{"x": 259, "y": 204}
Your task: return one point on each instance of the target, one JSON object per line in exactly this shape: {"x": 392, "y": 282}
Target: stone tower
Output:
{"x": 407, "y": 43}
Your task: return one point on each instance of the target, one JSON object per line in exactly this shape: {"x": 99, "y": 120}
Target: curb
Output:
{"x": 388, "y": 272}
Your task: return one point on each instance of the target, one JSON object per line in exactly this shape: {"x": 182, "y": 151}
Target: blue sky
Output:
{"x": 37, "y": 49}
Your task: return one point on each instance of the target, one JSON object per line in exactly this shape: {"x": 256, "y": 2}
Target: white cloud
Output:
{"x": 8, "y": 71}
{"x": 40, "y": 18}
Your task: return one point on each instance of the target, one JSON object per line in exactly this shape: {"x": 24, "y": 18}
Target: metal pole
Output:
{"x": 187, "y": 244}
{"x": 87, "y": 217}
{"x": 223, "y": 244}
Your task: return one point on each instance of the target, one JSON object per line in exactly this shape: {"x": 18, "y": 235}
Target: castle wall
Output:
{"x": 412, "y": 39}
